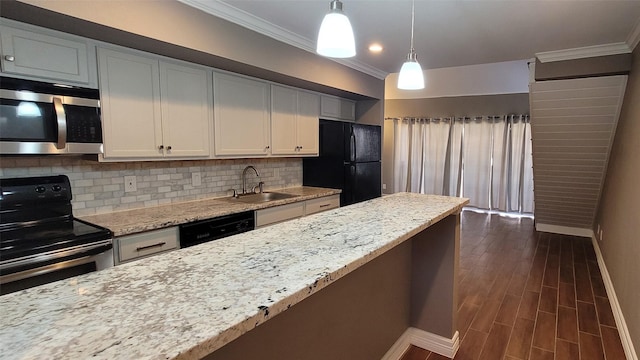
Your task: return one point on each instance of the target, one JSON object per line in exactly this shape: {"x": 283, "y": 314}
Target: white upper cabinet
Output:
{"x": 335, "y": 108}
{"x": 284, "y": 116}
{"x": 130, "y": 102}
{"x": 153, "y": 109}
{"x": 241, "y": 116}
{"x": 42, "y": 56}
{"x": 294, "y": 122}
{"x": 186, "y": 110}
{"x": 307, "y": 130}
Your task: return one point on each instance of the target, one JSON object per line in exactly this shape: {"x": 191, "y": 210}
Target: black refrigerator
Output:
{"x": 349, "y": 160}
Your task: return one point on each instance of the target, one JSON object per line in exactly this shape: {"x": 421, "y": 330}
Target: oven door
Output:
{"x": 53, "y": 267}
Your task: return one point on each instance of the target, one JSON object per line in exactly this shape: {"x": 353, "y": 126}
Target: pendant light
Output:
{"x": 335, "y": 38}
{"x": 411, "y": 76}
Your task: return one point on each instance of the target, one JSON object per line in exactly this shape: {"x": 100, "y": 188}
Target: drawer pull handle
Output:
{"x": 325, "y": 205}
{"x": 150, "y": 246}
{"x": 9, "y": 58}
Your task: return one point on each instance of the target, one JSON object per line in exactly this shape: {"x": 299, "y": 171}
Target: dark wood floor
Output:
{"x": 529, "y": 295}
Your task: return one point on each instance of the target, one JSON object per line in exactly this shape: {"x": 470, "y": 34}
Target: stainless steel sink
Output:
{"x": 261, "y": 197}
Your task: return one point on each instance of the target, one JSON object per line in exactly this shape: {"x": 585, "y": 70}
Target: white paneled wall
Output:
{"x": 99, "y": 187}
{"x": 573, "y": 125}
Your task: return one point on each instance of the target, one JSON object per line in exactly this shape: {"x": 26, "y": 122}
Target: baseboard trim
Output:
{"x": 564, "y": 230}
{"x": 425, "y": 340}
{"x": 621, "y": 324}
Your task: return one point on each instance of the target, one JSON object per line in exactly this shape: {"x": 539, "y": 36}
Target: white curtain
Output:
{"x": 453, "y": 164}
{"x": 486, "y": 159}
{"x": 401, "y": 157}
{"x": 420, "y": 155}
{"x": 477, "y": 151}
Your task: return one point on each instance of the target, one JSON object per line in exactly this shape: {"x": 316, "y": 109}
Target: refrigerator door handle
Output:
{"x": 354, "y": 178}
{"x": 353, "y": 146}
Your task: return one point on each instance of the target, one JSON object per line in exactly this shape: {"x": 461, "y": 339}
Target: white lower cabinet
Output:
{"x": 286, "y": 212}
{"x": 278, "y": 214}
{"x": 136, "y": 246}
{"x": 322, "y": 204}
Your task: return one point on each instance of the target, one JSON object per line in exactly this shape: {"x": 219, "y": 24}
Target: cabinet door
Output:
{"x": 241, "y": 116}
{"x": 22, "y": 53}
{"x": 347, "y": 110}
{"x": 283, "y": 121}
{"x": 185, "y": 110}
{"x": 130, "y": 99}
{"x": 337, "y": 108}
{"x": 307, "y": 130}
{"x": 330, "y": 107}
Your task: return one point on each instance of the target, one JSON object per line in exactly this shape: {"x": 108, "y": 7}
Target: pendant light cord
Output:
{"x": 413, "y": 9}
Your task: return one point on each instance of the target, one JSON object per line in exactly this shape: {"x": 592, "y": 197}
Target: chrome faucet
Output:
{"x": 244, "y": 177}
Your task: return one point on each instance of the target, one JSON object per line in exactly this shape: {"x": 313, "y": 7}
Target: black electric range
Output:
{"x": 40, "y": 238}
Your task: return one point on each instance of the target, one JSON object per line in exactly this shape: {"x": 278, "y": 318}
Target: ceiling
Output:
{"x": 447, "y": 32}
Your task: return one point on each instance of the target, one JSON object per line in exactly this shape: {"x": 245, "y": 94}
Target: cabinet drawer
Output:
{"x": 279, "y": 213}
{"x": 147, "y": 243}
{"x": 322, "y": 204}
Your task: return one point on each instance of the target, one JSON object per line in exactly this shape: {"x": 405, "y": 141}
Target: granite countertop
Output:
{"x": 157, "y": 217}
{"x": 188, "y": 303}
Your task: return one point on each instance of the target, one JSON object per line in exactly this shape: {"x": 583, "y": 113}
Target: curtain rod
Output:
{"x": 524, "y": 117}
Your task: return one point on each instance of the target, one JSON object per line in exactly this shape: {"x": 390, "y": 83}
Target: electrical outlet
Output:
{"x": 130, "y": 184}
{"x": 196, "y": 179}
{"x": 384, "y": 186}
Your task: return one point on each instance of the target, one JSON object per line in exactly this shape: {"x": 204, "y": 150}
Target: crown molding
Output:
{"x": 634, "y": 37}
{"x": 584, "y": 52}
{"x": 232, "y": 14}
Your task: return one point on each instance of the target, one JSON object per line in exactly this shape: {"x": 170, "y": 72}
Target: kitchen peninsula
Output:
{"x": 342, "y": 284}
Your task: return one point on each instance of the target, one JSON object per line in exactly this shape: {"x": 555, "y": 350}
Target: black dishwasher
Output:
{"x": 199, "y": 232}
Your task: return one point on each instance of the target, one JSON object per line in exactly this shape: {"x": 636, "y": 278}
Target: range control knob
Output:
{"x": 56, "y": 188}
{"x": 40, "y": 189}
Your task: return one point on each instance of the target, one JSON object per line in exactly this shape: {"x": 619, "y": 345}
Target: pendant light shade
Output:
{"x": 411, "y": 76}
{"x": 335, "y": 38}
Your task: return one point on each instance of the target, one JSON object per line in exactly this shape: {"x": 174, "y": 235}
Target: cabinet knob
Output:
{"x": 268, "y": 147}
{"x": 9, "y": 58}
{"x": 169, "y": 147}
{"x": 160, "y": 147}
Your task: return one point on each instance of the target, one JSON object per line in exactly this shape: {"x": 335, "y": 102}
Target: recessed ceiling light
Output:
{"x": 376, "y": 48}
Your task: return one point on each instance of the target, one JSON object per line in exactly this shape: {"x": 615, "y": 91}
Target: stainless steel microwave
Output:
{"x": 45, "y": 118}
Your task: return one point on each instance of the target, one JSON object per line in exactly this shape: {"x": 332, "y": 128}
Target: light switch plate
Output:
{"x": 196, "y": 179}
{"x": 130, "y": 183}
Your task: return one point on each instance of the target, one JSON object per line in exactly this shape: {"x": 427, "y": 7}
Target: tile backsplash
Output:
{"x": 99, "y": 187}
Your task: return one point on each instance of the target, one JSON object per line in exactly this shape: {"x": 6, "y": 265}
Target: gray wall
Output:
{"x": 459, "y": 106}
{"x": 439, "y": 107}
{"x": 595, "y": 66}
{"x": 619, "y": 210}
{"x": 176, "y": 30}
